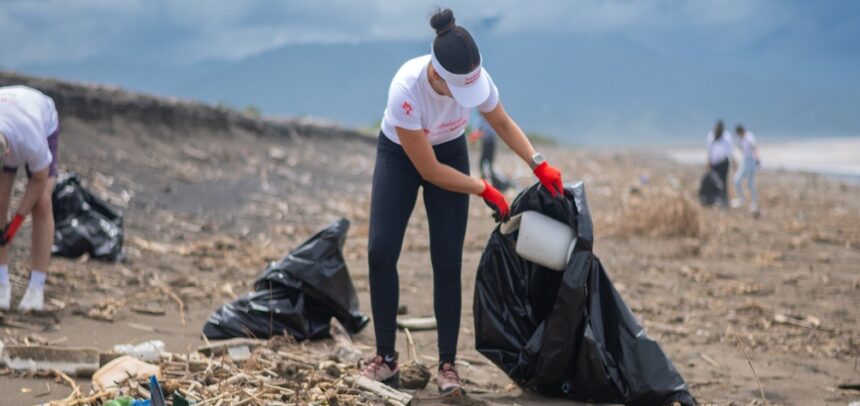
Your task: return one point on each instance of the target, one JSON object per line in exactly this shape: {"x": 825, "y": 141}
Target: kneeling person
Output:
{"x": 29, "y": 131}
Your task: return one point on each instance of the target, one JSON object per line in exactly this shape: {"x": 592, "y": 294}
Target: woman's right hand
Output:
{"x": 496, "y": 201}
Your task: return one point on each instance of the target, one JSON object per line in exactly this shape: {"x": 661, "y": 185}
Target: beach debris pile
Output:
{"x": 278, "y": 371}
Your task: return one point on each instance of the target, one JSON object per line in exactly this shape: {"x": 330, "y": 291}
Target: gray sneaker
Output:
{"x": 448, "y": 381}
{"x": 384, "y": 370}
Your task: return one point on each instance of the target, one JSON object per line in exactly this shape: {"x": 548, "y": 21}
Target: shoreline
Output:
{"x": 832, "y": 157}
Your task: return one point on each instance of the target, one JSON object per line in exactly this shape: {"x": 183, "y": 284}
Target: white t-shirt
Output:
{"x": 720, "y": 149}
{"x": 747, "y": 145}
{"x": 27, "y": 119}
{"x": 414, "y": 105}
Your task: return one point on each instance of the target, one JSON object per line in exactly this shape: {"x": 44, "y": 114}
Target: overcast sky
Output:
{"x": 188, "y": 31}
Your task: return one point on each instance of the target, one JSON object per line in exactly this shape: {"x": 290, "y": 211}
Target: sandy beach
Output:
{"x": 207, "y": 208}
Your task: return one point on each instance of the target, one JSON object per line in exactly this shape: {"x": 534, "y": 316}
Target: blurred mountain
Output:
{"x": 581, "y": 89}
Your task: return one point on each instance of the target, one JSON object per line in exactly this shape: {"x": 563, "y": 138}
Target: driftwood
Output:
{"x": 217, "y": 348}
{"x": 344, "y": 349}
{"x": 417, "y": 323}
{"x": 383, "y": 390}
{"x": 81, "y": 361}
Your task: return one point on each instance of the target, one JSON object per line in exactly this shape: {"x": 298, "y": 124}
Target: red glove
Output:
{"x": 496, "y": 201}
{"x": 11, "y": 229}
{"x": 550, "y": 178}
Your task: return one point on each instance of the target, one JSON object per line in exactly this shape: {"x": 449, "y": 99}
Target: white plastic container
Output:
{"x": 149, "y": 351}
{"x": 542, "y": 239}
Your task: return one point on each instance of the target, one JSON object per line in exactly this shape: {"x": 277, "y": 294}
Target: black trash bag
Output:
{"x": 711, "y": 189}
{"x": 566, "y": 334}
{"x": 299, "y": 294}
{"x": 83, "y": 223}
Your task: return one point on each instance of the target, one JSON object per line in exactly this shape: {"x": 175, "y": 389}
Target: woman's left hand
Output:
{"x": 550, "y": 178}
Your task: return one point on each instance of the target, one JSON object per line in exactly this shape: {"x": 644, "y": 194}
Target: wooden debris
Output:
{"x": 79, "y": 361}
{"x": 344, "y": 349}
{"x": 712, "y": 362}
{"x": 797, "y": 320}
{"x": 279, "y": 371}
{"x": 178, "y": 301}
{"x": 417, "y": 323}
{"x": 76, "y": 391}
{"x": 755, "y": 375}
{"x": 413, "y": 374}
{"x": 152, "y": 310}
{"x": 393, "y": 395}
{"x": 849, "y": 386}
{"x": 218, "y": 348}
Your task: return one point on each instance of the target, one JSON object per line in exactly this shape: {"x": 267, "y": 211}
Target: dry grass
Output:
{"x": 662, "y": 212}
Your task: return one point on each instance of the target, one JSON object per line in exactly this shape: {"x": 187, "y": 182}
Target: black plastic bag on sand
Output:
{"x": 711, "y": 189}
{"x": 298, "y": 295}
{"x": 566, "y": 334}
{"x": 84, "y": 224}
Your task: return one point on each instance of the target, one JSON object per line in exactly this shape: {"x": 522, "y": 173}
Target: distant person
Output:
{"x": 422, "y": 146}
{"x": 29, "y": 136}
{"x": 720, "y": 157}
{"x": 486, "y": 166}
{"x": 749, "y": 164}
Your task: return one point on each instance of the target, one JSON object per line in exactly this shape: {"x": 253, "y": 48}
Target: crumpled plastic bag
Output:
{"x": 566, "y": 334}
{"x": 298, "y": 295}
{"x": 84, "y": 224}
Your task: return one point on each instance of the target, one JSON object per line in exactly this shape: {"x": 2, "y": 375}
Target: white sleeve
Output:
{"x": 38, "y": 155}
{"x": 403, "y": 112}
{"x": 492, "y": 100}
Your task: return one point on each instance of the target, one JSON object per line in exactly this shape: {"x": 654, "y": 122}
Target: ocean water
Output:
{"x": 836, "y": 157}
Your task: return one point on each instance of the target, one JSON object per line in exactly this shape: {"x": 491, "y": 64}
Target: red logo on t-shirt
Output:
{"x": 407, "y": 108}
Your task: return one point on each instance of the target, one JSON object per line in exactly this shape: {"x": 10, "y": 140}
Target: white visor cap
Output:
{"x": 469, "y": 89}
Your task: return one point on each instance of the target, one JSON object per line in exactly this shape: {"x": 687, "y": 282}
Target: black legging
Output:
{"x": 395, "y": 190}
{"x": 488, "y": 153}
{"x": 722, "y": 169}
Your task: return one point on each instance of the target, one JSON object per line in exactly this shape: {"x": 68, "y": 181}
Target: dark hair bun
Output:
{"x": 442, "y": 21}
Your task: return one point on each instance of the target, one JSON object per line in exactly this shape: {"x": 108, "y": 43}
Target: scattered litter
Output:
{"x": 156, "y": 395}
{"x": 298, "y": 295}
{"x": 280, "y": 371}
{"x": 573, "y": 335}
{"x": 84, "y": 224}
{"x": 113, "y": 374}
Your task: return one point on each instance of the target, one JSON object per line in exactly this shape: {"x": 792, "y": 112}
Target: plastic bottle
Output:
{"x": 148, "y": 351}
